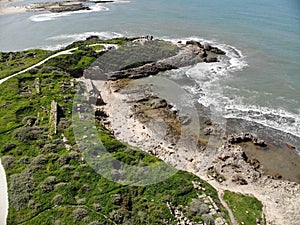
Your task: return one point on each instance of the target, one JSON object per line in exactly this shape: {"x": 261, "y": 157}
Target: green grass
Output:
{"x": 135, "y": 54}
{"x": 13, "y": 62}
{"x": 62, "y": 183}
{"x": 245, "y": 208}
{"x": 118, "y": 41}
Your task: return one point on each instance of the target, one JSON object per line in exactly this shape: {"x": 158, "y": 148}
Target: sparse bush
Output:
{"x": 33, "y": 71}
{"x": 208, "y": 219}
{"x": 75, "y": 155}
{"x": 58, "y": 222}
{"x": 20, "y": 189}
{"x": 95, "y": 223}
{"x": 29, "y": 120}
{"x": 79, "y": 213}
{"x": 38, "y": 163}
{"x": 24, "y": 160}
{"x": 76, "y": 175}
{"x": 116, "y": 199}
{"x": 47, "y": 69}
{"x": 80, "y": 201}
{"x": 50, "y": 147}
{"x": 57, "y": 199}
{"x": 117, "y": 216}
{"x": 8, "y": 162}
{"x": 45, "y": 188}
{"x": 7, "y": 147}
{"x": 68, "y": 167}
{"x": 29, "y": 133}
{"x": 33, "y": 205}
{"x": 63, "y": 160}
{"x": 39, "y": 160}
{"x": 59, "y": 185}
{"x": 48, "y": 184}
{"x": 85, "y": 188}
{"x": 97, "y": 207}
{"x": 198, "y": 207}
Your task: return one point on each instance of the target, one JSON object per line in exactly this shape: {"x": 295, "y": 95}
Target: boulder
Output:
{"x": 194, "y": 43}
{"x": 217, "y": 51}
{"x": 160, "y": 104}
{"x": 208, "y": 122}
{"x": 259, "y": 142}
{"x": 290, "y": 146}
{"x": 93, "y": 38}
{"x": 212, "y": 60}
{"x": 202, "y": 54}
{"x": 207, "y": 46}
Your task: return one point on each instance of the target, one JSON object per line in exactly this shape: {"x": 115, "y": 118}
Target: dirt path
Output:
{"x": 65, "y": 52}
{"x": 231, "y": 216}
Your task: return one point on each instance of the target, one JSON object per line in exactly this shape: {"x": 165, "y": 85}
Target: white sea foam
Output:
{"x": 211, "y": 92}
{"x": 82, "y": 36}
{"x": 278, "y": 119}
{"x": 52, "y": 16}
{"x": 67, "y": 39}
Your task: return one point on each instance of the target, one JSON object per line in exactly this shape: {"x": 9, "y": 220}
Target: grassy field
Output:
{"x": 246, "y": 209}
{"x": 50, "y": 184}
{"x": 13, "y": 62}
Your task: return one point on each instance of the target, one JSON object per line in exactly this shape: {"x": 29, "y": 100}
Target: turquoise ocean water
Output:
{"x": 258, "y": 82}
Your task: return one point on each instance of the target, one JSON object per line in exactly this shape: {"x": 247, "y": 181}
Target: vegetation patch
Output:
{"x": 13, "y": 62}
{"x": 49, "y": 180}
{"x": 246, "y": 209}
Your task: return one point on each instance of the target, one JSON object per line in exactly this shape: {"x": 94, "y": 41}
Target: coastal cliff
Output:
{"x": 49, "y": 175}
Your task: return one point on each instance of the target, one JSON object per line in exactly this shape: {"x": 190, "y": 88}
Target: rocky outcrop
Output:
{"x": 140, "y": 72}
{"x": 57, "y": 7}
{"x": 239, "y": 138}
{"x": 191, "y": 53}
{"x": 232, "y": 163}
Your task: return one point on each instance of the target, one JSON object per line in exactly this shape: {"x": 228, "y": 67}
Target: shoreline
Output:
{"x": 3, "y": 195}
{"x": 280, "y": 198}
{"x": 5, "y": 7}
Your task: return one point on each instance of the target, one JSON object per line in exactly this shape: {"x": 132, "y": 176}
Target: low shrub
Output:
{"x": 7, "y": 147}
{"x": 29, "y": 133}
{"x": 79, "y": 213}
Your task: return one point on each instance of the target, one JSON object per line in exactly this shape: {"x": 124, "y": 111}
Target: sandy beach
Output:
{"x": 3, "y": 196}
{"x": 5, "y": 7}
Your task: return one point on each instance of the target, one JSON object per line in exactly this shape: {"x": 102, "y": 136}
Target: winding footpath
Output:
{"x": 65, "y": 52}
{"x": 231, "y": 216}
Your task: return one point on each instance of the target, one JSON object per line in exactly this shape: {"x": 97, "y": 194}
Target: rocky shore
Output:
{"x": 54, "y": 7}
{"x": 135, "y": 114}
{"x": 230, "y": 168}
{"x": 57, "y": 7}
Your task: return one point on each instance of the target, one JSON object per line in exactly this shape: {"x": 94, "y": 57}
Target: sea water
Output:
{"x": 258, "y": 82}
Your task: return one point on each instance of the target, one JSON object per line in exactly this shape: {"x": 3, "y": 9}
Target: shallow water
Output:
{"x": 258, "y": 81}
